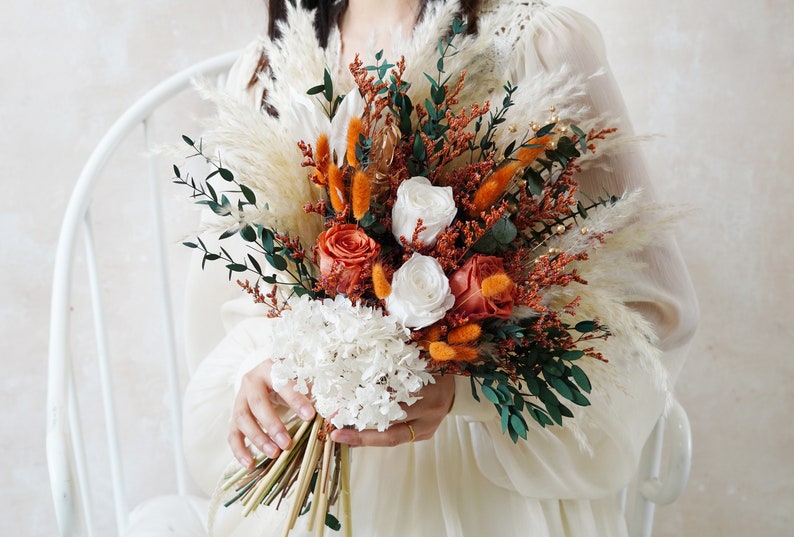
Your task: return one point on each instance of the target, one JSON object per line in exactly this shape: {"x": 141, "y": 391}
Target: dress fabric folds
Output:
{"x": 470, "y": 479}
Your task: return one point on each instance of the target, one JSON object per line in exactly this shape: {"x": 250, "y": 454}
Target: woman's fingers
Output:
{"x": 396, "y": 434}
{"x": 255, "y": 417}
{"x": 422, "y": 420}
{"x": 299, "y": 403}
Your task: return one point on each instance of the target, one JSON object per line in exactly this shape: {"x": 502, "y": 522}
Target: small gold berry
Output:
{"x": 559, "y": 228}
{"x": 554, "y": 251}
{"x": 585, "y": 230}
{"x": 512, "y": 127}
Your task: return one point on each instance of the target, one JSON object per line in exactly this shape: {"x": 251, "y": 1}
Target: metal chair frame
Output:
{"x": 66, "y": 457}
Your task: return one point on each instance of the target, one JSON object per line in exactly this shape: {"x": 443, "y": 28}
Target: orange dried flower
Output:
{"x": 354, "y": 129}
{"x": 493, "y": 187}
{"x": 442, "y": 352}
{"x": 464, "y": 353}
{"x": 464, "y": 334}
{"x": 380, "y": 283}
{"x": 322, "y": 153}
{"x": 336, "y": 188}
{"x": 495, "y": 285}
{"x": 527, "y": 155}
{"x": 432, "y": 335}
{"x": 319, "y": 177}
{"x": 361, "y": 194}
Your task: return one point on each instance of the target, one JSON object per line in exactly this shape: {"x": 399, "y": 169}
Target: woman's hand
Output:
{"x": 423, "y": 418}
{"x": 254, "y": 415}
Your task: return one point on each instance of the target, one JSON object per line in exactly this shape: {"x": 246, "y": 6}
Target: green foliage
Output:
{"x": 279, "y": 252}
{"x": 545, "y": 379}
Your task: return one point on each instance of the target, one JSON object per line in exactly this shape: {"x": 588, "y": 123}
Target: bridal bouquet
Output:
{"x": 438, "y": 253}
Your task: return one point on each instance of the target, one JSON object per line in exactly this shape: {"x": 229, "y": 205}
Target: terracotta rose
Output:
{"x": 466, "y": 284}
{"x": 345, "y": 248}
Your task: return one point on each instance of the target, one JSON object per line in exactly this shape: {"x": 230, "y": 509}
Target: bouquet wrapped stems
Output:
{"x": 315, "y": 472}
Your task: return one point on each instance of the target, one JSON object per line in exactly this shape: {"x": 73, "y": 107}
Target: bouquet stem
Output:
{"x": 314, "y": 473}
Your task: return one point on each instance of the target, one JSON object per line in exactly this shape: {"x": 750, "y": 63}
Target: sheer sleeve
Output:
{"x": 600, "y": 455}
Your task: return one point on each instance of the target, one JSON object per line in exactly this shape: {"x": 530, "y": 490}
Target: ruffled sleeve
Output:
{"x": 596, "y": 453}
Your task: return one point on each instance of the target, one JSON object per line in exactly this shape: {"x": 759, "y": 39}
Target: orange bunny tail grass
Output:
{"x": 496, "y": 285}
{"x": 464, "y": 334}
{"x": 361, "y": 194}
{"x": 319, "y": 177}
{"x": 432, "y": 335}
{"x": 336, "y": 188}
{"x": 464, "y": 353}
{"x": 527, "y": 155}
{"x": 493, "y": 187}
{"x": 322, "y": 153}
{"x": 354, "y": 130}
{"x": 443, "y": 352}
{"x": 380, "y": 284}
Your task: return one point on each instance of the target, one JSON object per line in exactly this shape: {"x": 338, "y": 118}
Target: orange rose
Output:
{"x": 345, "y": 249}
{"x": 466, "y": 285}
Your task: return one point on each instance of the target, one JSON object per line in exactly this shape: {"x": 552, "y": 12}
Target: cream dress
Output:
{"x": 470, "y": 480}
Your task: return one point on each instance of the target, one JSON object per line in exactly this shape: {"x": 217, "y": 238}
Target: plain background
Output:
{"x": 714, "y": 79}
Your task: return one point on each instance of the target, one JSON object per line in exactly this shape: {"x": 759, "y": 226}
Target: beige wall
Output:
{"x": 715, "y": 79}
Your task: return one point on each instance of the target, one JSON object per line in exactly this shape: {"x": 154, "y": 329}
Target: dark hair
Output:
{"x": 327, "y": 14}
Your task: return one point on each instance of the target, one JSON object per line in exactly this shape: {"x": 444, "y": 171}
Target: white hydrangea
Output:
{"x": 359, "y": 363}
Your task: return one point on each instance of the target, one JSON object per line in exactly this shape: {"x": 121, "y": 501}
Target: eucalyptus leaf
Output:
{"x": 504, "y": 231}
{"x": 581, "y": 378}
{"x": 562, "y": 388}
{"x": 490, "y": 394}
{"x": 474, "y": 393}
{"x": 332, "y": 522}
{"x": 249, "y": 195}
{"x": 277, "y": 261}
{"x": 570, "y": 356}
{"x": 518, "y": 424}
{"x": 248, "y": 233}
{"x": 255, "y": 264}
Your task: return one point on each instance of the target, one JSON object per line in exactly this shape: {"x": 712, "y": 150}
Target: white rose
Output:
{"x": 417, "y": 198}
{"x": 420, "y": 293}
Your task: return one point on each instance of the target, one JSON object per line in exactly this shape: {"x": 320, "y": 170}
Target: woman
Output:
{"x": 447, "y": 470}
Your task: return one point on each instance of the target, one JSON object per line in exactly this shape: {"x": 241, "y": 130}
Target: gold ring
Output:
{"x": 413, "y": 433}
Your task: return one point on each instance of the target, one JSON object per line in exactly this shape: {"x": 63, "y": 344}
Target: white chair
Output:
{"x": 66, "y": 453}
{"x": 71, "y": 485}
